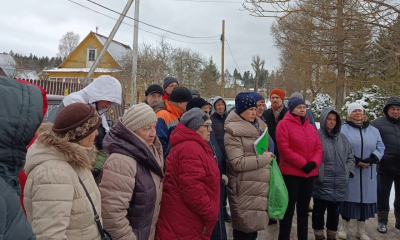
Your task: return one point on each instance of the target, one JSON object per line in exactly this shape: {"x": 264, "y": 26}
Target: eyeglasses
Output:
{"x": 208, "y": 126}
{"x": 208, "y": 112}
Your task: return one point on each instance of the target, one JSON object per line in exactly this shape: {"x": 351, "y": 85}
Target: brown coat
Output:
{"x": 248, "y": 174}
{"x": 56, "y": 204}
{"x": 131, "y": 185}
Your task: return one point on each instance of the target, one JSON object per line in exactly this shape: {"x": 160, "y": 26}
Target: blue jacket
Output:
{"x": 365, "y": 140}
{"x": 21, "y": 115}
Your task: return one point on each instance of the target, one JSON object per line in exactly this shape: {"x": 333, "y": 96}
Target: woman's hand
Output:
{"x": 363, "y": 165}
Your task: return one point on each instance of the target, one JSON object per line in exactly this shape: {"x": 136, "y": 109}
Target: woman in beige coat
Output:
{"x": 55, "y": 201}
{"x": 248, "y": 173}
{"x": 131, "y": 185}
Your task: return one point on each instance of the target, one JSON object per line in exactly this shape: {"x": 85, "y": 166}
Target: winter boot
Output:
{"x": 361, "y": 234}
{"x": 319, "y": 234}
{"x": 382, "y": 221}
{"x": 397, "y": 215}
{"x": 344, "y": 227}
{"x": 331, "y": 235}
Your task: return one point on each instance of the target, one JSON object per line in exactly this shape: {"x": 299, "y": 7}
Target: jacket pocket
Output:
{"x": 321, "y": 172}
{"x": 238, "y": 181}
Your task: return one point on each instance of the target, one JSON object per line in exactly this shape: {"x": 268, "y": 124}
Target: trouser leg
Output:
{"x": 384, "y": 182}
{"x": 318, "y": 213}
{"x": 332, "y": 219}
{"x": 303, "y": 202}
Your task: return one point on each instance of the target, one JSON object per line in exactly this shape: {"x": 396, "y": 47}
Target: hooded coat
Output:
{"x": 364, "y": 140}
{"x": 131, "y": 185}
{"x": 21, "y": 115}
{"x": 298, "y": 144}
{"x": 248, "y": 174}
{"x": 104, "y": 88}
{"x": 218, "y": 122}
{"x": 55, "y": 202}
{"x": 191, "y": 195}
{"x": 389, "y": 129}
{"x": 337, "y": 164}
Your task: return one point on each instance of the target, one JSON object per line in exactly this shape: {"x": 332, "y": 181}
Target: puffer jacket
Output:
{"x": 389, "y": 129}
{"x": 218, "y": 122}
{"x": 248, "y": 175}
{"x": 298, "y": 144}
{"x": 21, "y": 115}
{"x": 131, "y": 185}
{"x": 190, "y": 201}
{"x": 55, "y": 202}
{"x": 337, "y": 164}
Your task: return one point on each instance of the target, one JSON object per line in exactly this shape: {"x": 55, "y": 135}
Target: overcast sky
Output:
{"x": 36, "y": 26}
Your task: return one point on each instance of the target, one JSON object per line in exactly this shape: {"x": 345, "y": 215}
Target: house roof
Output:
{"x": 7, "y": 61}
{"x": 86, "y": 70}
{"x": 116, "y": 49}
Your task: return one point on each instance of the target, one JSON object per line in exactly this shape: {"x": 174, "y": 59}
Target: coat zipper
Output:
{"x": 362, "y": 150}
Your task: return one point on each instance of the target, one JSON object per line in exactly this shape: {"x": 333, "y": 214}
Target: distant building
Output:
{"x": 9, "y": 68}
{"x": 77, "y": 65}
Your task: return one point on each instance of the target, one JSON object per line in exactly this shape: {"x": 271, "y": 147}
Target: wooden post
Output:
{"x": 222, "y": 59}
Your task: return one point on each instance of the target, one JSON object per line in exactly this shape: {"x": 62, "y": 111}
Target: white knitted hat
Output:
{"x": 353, "y": 106}
{"x": 138, "y": 116}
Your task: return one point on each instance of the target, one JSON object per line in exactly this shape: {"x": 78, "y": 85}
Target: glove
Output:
{"x": 308, "y": 167}
{"x": 96, "y": 173}
{"x": 357, "y": 159}
{"x": 224, "y": 179}
{"x": 371, "y": 160}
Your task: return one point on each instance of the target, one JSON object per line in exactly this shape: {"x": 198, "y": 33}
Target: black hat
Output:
{"x": 294, "y": 102}
{"x": 168, "y": 81}
{"x": 197, "y": 102}
{"x": 180, "y": 94}
{"x": 154, "y": 89}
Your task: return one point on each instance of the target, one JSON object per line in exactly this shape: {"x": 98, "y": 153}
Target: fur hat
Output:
{"x": 138, "y": 116}
{"x": 194, "y": 118}
{"x": 76, "y": 121}
{"x": 278, "y": 92}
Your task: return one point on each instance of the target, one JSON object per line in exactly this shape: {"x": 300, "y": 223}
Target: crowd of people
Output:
{"x": 168, "y": 168}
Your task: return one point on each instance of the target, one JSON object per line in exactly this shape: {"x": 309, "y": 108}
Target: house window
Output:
{"x": 91, "y": 55}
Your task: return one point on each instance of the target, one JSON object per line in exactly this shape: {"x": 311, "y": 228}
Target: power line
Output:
{"x": 232, "y": 54}
{"x": 141, "y": 28}
{"x": 182, "y": 35}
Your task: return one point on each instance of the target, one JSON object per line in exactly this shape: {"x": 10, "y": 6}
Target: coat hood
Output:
{"x": 215, "y": 100}
{"x": 123, "y": 141}
{"x": 50, "y": 147}
{"x": 391, "y": 101}
{"x": 324, "y": 115}
{"x": 104, "y": 88}
{"x": 182, "y": 134}
{"x": 21, "y": 115}
{"x": 238, "y": 127}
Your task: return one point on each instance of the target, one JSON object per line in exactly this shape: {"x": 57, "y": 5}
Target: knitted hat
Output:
{"x": 194, "y": 118}
{"x": 294, "y": 102}
{"x": 257, "y": 97}
{"x": 278, "y": 92}
{"x": 154, "y": 89}
{"x": 168, "y": 81}
{"x": 197, "y": 103}
{"x": 195, "y": 93}
{"x": 244, "y": 101}
{"x": 180, "y": 94}
{"x": 296, "y": 94}
{"x": 138, "y": 116}
{"x": 76, "y": 121}
{"x": 353, "y": 106}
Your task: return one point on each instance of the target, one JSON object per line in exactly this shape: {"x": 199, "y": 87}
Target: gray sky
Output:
{"x": 36, "y": 26}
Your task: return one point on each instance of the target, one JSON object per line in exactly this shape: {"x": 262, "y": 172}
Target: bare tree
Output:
{"x": 258, "y": 66}
{"x": 67, "y": 44}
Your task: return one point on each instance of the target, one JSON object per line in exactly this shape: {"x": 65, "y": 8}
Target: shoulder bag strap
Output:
{"x": 96, "y": 216}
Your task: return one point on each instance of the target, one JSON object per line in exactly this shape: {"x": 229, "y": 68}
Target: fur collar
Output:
{"x": 73, "y": 153}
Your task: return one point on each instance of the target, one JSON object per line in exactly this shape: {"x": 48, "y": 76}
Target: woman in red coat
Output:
{"x": 300, "y": 152}
{"x": 191, "y": 192}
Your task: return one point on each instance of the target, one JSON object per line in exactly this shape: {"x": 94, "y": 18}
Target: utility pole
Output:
{"x": 108, "y": 41}
{"x": 222, "y": 59}
{"x": 135, "y": 52}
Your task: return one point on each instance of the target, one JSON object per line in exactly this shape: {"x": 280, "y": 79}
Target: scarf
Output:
{"x": 277, "y": 113}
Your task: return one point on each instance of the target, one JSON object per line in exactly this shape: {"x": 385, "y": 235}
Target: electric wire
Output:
{"x": 141, "y": 28}
{"x": 232, "y": 54}
{"x": 150, "y": 25}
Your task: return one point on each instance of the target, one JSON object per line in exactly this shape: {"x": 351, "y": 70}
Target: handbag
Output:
{"x": 103, "y": 233}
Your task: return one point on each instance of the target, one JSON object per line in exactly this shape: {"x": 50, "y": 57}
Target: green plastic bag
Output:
{"x": 278, "y": 195}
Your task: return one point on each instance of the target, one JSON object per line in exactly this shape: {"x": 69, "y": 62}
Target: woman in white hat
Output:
{"x": 368, "y": 150}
